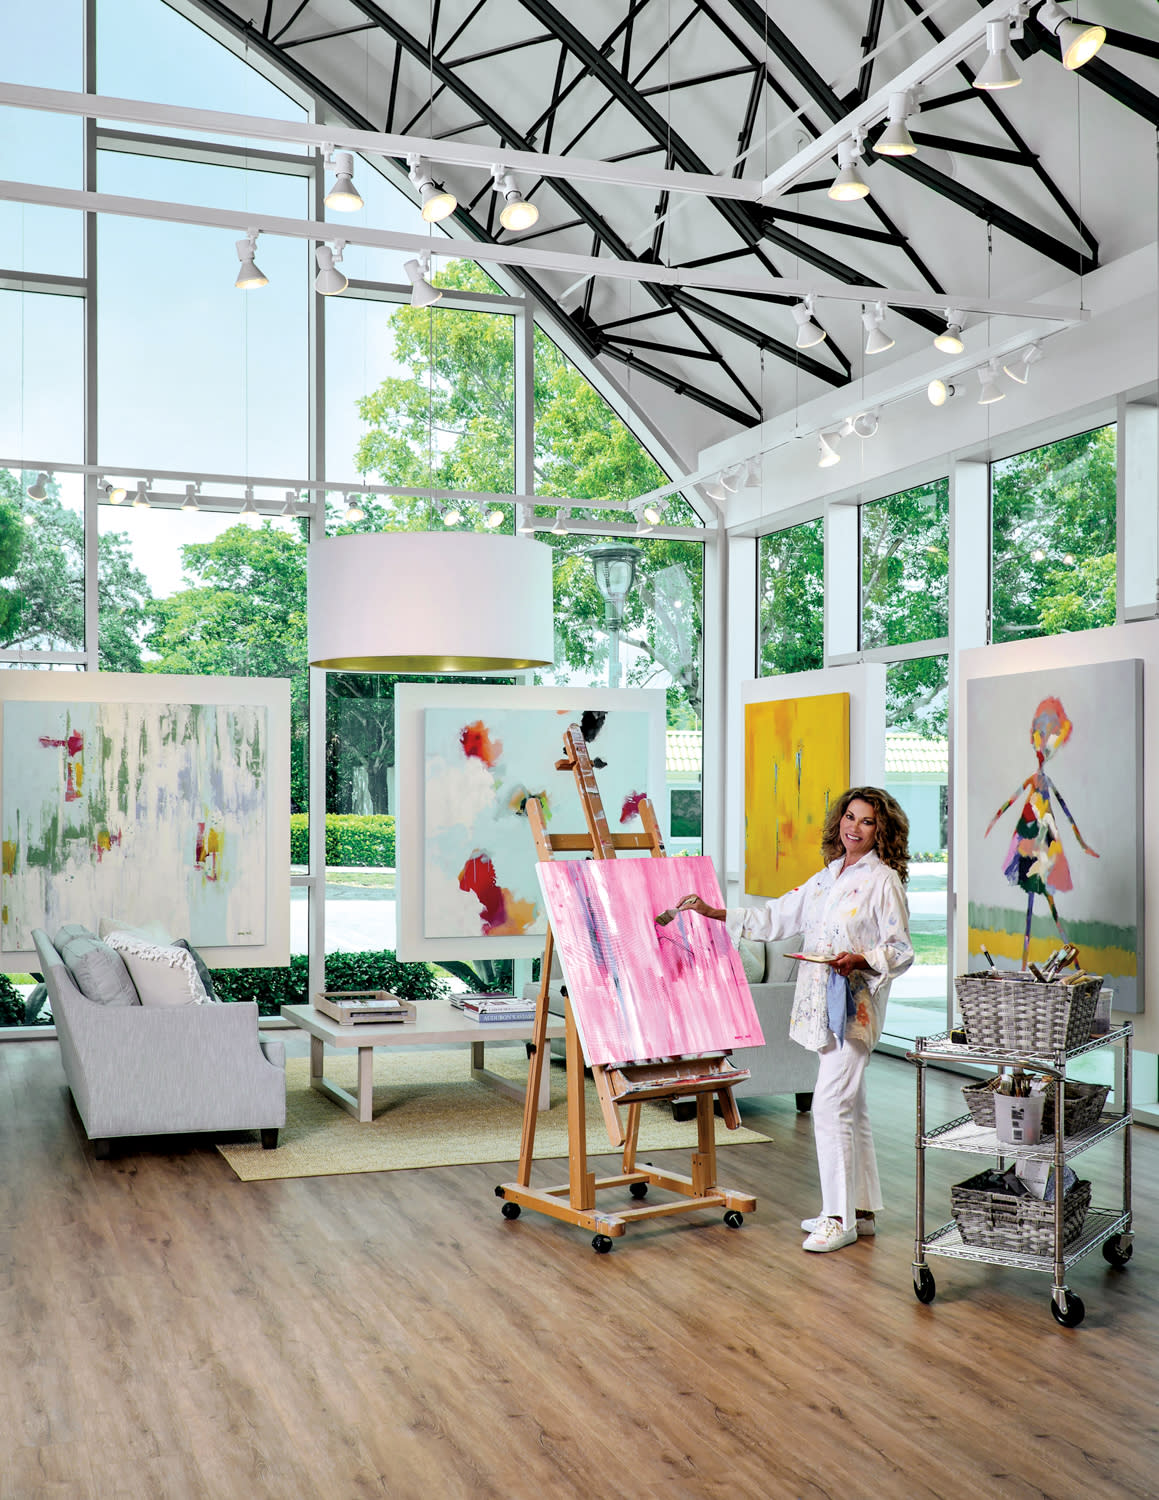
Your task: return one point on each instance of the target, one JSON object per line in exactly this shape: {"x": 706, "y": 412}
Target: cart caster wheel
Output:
{"x": 925, "y": 1287}
{"x": 1115, "y": 1253}
{"x": 639, "y": 1189}
{"x": 511, "y": 1210}
{"x": 1075, "y": 1311}
{"x": 733, "y": 1219}
{"x": 602, "y": 1244}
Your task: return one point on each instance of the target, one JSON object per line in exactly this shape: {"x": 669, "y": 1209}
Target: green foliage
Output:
{"x": 905, "y": 566}
{"x": 791, "y": 600}
{"x": 350, "y": 839}
{"x": 11, "y": 1004}
{"x": 273, "y": 988}
{"x": 486, "y": 976}
{"x": 243, "y": 615}
{"x": 49, "y": 577}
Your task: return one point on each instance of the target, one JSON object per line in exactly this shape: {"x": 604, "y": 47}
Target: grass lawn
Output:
{"x": 381, "y": 879}
{"x": 929, "y": 947}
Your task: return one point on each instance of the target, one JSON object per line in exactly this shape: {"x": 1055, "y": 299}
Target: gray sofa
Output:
{"x": 163, "y": 1070}
{"x": 780, "y": 1066}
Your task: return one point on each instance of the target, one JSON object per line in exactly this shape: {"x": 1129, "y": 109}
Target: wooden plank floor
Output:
{"x": 170, "y": 1332}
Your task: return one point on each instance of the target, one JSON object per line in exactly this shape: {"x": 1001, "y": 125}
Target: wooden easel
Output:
{"x": 627, "y": 1084}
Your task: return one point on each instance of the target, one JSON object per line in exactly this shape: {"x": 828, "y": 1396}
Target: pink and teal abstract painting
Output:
{"x": 638, "y": 990}
{"x": 134, "y": 811}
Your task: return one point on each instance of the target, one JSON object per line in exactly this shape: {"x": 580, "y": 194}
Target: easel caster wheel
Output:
{"x": 733, "y": 1219}
{"x": 639, "y": 1189}
{"x": 511, "y": 1210}
{"x": 1075, "y": 1311}
{"x": 602, "y": 1244}
{"x": 924, "y": 1285}
{"x": 1115, "y": 1253}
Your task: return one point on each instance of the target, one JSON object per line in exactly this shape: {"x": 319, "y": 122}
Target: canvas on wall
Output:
{"x": 480, "y": 764}
{"x": 1054, "y": 827}
{"x": 639, "y": 990}
{"x": 136, "y": 811}
{"x": 796, "y": 761}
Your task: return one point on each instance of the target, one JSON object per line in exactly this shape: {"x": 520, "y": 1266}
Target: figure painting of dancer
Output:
{"x": 1036, "y": 860}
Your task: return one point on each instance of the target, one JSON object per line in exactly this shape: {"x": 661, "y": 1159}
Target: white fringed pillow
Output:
{"x": 163, "y": 975}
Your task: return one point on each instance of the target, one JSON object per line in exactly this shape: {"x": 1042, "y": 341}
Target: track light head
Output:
{"x": 249, "y": 278}
{"x": 1078, "y": 40}
{"x": 452, "y": 516}
{"x": 848, "y": 185}
{"x": 998, "y": 71}
{"x": 38, "y": 489}
{"x": 354, "y": 512}
{"x": 290, "y": 504}
{"x": 877, "y": 341}
{"x": 731, "y": 480}
{"x": 991, "y": 390}
{"x": 650, "y": 514}
{"x": 330, "y": 281}
{"x": 808, "y": 332}
{"x": 716, "y": 491}
{"x": 494, "y": 519}
{"x": 141, "y": 498}
{"x": 437, "y": 202}
{"x": 865, "y": 423}
{"x": 423, "y": 294}
{"x": 1018, "y": 366}
{"x": 938, "y": 392}
{"x": 895, "y": 139}
{"x": 516, "y": 213}
{"x": 191, "y": 501}
{"x": 249, "y": 512}
{"x": 527, "y": 520}
{"x": 949, "y": 341}
{"x": 562, "y": 517}
{"x": 343, "y": 196}
{"x": 827, "y": 445}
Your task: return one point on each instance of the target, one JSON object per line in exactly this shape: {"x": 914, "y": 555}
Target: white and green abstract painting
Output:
{"x": 135, "y": 811}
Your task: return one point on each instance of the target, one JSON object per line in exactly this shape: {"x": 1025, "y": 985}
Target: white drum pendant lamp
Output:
{"x": 429, "y": 601}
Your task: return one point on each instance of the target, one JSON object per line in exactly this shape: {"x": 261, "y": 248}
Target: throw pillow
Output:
{"x": 752, "y": 960}
{"x": 164, "y": 975}
{"x": 202, "y": 969}
{"x": 152, "y": 932}
{"x": 98, "y": 972}
{"x": 779, "y": 968}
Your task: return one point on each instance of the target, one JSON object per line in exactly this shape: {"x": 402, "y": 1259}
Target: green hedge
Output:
{"x": 11, "y": 1003}
{"x": 350, "y": 839}
{"x": 273, "y": 988}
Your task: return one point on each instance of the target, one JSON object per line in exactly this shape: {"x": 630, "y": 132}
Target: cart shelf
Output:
{"x": 1101, "y": 1224}
{"x": 963, "y": 1135}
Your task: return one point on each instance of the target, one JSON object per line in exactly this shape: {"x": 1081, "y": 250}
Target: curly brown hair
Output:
{"x": 892, "y": 828}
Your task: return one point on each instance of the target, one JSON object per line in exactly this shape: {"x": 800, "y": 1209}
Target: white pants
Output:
{"x": 845, "y": 1156}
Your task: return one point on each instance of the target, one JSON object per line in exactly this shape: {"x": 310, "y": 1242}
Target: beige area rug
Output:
{"x": 429, "y": 1112}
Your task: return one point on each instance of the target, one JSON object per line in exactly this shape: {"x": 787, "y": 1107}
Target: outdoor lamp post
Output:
{"x": 615, "y": 568}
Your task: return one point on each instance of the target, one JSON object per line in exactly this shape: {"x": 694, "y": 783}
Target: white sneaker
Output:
{"x": 866, "y": 1228}
{"x": 830, "y": 1235}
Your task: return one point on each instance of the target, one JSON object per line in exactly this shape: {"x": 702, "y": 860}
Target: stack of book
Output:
{"x": 495, "y": 1008}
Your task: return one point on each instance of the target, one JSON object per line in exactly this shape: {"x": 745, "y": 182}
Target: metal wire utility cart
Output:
{"x": 1063, "y": 1244}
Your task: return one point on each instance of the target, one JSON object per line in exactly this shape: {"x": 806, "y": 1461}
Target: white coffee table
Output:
{"x": 436, "y": 1023}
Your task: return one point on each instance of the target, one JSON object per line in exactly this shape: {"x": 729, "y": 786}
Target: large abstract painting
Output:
{"x": 796, "y": 762}
{"x": 135, "y": 811}
{"x": 638, "y": 990}
{"x": 481, "y": 763}
{"x": 1054, "y": 832}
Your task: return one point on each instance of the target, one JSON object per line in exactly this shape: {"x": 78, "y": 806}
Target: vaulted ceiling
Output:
{"x": 1018, "y": 192}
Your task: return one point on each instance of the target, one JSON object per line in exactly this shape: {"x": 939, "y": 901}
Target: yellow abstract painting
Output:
{"x": 796, "y": 762}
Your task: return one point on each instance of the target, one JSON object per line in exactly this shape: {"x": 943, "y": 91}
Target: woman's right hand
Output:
{"x": 691, "y": 902}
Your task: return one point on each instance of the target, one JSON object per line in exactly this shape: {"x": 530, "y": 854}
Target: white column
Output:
{"x": 842, "y": 583}
{"x": 716, "y": 677}
{"x": 739, "y": 665}
{"x": 1138, "y": 510}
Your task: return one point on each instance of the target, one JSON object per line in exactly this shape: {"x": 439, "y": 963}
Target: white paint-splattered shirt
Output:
{"x": 859, "y": 910}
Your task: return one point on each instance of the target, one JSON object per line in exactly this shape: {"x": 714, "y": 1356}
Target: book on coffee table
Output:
{"x": 498, "y": 1008}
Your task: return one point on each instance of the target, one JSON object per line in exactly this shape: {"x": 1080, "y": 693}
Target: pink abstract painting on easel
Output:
{"x": 638, "y": 990}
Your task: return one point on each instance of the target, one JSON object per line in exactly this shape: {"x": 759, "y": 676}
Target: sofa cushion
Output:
{"x": 779, "y": 968}
{"x": 752, "y": 960}
{"x": 202, "y": 968}
{"x": 163, "y": 974}
{"x": 97, "y": 970}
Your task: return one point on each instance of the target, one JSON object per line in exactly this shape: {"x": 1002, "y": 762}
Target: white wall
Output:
{"x": 1113, "y": 643}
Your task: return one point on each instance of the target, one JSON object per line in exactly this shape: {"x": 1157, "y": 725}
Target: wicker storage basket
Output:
{"x": 979, "y": 1099}
{"x": 1024, "y": 1225}
{"x": 1010, "y": 1015}
{"x": 1081, "y": 1109}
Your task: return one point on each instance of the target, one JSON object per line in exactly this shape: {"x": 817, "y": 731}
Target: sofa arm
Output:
{"x": 275, "y": 1051}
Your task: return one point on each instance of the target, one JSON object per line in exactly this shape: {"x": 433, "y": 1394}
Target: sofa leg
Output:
{"x": 270, "y": 1140}
{"x": 804, "y": 1103}
{"x": 102, "y": 1149}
